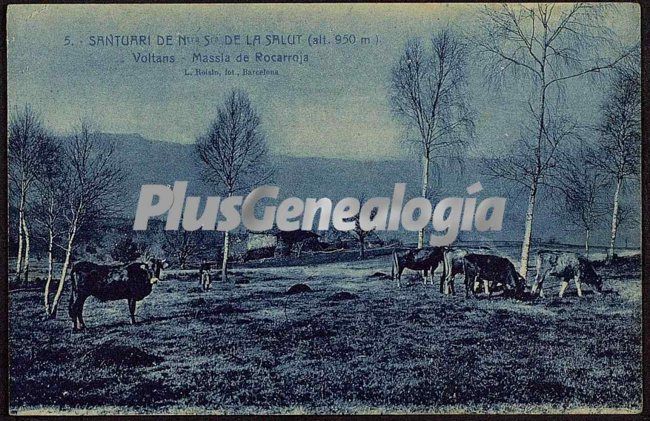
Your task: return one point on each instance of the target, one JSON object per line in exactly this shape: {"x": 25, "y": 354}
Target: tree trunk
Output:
{"x": 425, "y": 188}
{"x": 530, "y": 213}
{"x": 19, "y": 258}
{"x": 528, "y": 231}
{"x": 587, "y": 242}
{"x": 64, "y": 272}
{"x": 26, "y": 258}
{"x": 49, "y": 272}
{"x": 224, "y": 264}
{"x": 612, "y": 244}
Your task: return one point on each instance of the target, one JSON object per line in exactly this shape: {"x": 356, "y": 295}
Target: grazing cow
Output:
{"x": 426, "y": 259}
{"x": 565, "y": 266}
{"x": 454, "y": 259}
{"x": 204, "y": 275}
{"x": 492, "y": 270}
{"x": 132, "y": 282}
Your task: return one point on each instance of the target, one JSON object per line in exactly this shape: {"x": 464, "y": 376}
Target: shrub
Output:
{"x": 126, "y": 250}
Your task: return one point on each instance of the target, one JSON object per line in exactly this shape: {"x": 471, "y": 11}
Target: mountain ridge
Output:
{"x": 150, "y": 161}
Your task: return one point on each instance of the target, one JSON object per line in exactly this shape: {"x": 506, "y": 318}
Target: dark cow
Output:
{"x": 454, "y": 263}
{"x": 492, "y": 270}
{"x": 204, "y": 275}
{"x": 426, "y": 259}
{"x": 131, "y": 282}
{"x": 565, "y": 266}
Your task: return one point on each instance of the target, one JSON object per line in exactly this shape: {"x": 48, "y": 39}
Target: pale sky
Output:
{"x": 335, "y": 105}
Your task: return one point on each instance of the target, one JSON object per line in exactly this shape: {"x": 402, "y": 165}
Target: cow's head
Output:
{"x": 592, "y": 278}
{"x": 154, "y": 268}
{"x": 519, "y": 283}
{"x": 597, "y": 283}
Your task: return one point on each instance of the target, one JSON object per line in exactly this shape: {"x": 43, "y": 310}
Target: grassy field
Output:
{"x": 355, "y": 344}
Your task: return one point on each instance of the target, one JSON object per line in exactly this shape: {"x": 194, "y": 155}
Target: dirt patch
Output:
{"x": 343, "y": 295}
{"x": 123, "y": 356}
{"x": 379, "y": 275}
{"x": 298, "y": 289}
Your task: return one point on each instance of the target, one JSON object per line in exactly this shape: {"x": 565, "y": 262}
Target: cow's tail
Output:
{"x": 392, "y": 268}
{"x": 73, "y": 293}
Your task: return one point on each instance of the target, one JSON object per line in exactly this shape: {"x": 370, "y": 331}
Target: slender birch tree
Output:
{"x": 581, "y": 185}
{"x": 542, "y": 46}
{"x": 618, "y": 153}
{"x": 50, "y": 191}
{"x": 428, "y": 93}
{"x": 234, "y": 153}
{"x": 27, "y": 140}
{"x": 93, "y": 181}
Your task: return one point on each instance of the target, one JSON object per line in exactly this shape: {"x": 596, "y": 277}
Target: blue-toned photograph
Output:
{"x": 324, "y": 209}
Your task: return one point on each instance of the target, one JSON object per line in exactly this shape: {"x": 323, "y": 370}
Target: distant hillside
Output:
{"x": 155, "y": 162}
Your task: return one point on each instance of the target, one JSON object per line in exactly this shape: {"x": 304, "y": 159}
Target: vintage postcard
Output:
{"x": 324, "y": 208}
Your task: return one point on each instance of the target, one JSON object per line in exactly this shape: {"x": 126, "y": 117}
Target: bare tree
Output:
{"x": 543, "y": 46}
{"x": 93, "y": 181}
{"x": 234, "y": 153}
{"x": 428, "y": 93}
{"x": 581, "y": 185}
{"x": 618, "y": 154}
{"x": 359, "y": 234}
{"x": 628, "y": 216}
{"x": 182, "y": 244}
{"x": 27, "y": 140}
{"x": 50, "y": 191}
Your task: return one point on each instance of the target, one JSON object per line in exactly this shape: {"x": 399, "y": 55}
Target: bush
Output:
{"x": 126, "y": 250}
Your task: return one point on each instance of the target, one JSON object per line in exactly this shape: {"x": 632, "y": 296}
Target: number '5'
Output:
{"x": 67, "y": 40}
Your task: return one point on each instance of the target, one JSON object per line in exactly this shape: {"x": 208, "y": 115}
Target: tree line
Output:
{"x": 63, "y": 187}
{"x": 541, "y": 47}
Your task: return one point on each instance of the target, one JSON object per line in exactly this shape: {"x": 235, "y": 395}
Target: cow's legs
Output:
{"x": 474, "y": 284}
{"x": 448, "y": 284}
{"x": 132, "y": 310}
{"x": 538, "y": 283}
{"x": 73, "y": 312}
{"x": 447, "y": 287}
{"x": 486, "y": 287}
{"x": 468, "y": 281}
{"x": 425, "y": 276}
{"x": 399, "y": 276}
{"x": 563, "y": 286}
{"x": 79, "y": 309}
{"x": 576, "y": 279}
